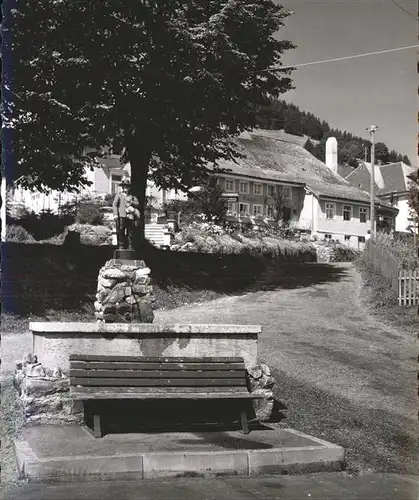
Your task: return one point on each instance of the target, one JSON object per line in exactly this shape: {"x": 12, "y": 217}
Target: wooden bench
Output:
{"x": 125, "y": 377}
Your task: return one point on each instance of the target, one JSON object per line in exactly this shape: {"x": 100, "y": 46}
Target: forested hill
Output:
{"x": 282, "y": 115}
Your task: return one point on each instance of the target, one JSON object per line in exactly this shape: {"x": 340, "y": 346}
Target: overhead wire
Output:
{"x": 405, "y": 10}
{"x": 353, "y": 56}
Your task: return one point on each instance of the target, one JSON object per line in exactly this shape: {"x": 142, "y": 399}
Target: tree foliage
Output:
{"x": 209, "y": 201}
{"x": 279, "y": 114}
{"x": 167, "y": 82}
{"x": 414, "y": 195}
{"x": 278, "y": 203}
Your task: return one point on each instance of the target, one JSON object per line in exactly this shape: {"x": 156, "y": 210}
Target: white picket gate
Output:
{"x": 408, "y": 292}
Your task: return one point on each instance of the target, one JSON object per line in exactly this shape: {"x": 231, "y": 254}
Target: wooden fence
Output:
{"x": 408, "y": 291}
{"x": 403, "y": 282}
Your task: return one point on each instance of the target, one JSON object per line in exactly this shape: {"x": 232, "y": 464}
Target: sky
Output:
{"x": 357, "y": 93}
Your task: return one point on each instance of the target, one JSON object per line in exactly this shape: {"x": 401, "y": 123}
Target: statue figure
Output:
{"x": 126, "y": 214}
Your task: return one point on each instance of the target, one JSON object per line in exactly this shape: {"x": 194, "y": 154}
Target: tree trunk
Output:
{"x": 139, "y": 158}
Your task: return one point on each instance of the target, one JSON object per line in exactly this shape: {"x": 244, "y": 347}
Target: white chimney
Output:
{"x": 332, "y": 154}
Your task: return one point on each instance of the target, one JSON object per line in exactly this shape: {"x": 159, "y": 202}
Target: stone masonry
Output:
{"x": 262, "y": 383}
{"x": 44, "y": 393}
{"x": 124, "y": 293}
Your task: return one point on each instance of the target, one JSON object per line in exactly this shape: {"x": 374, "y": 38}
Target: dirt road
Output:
{"x": 343, "y": 374}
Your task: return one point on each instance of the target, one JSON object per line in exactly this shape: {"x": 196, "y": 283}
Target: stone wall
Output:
{"x": 263, "y": 384}
{"x": 44, "y": 393}
{"x": 124, "y": 293}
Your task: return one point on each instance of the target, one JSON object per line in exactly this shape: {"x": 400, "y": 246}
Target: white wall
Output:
{"x": 340, "y": 227}
{"x": 403, "y": 215}
{"x": 306, "y": 214}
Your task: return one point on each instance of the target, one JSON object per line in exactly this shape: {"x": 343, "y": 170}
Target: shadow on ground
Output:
{"x": 205, "y": 418}
{"x": 39, "y": 278}
{"x": 374, "y": 439}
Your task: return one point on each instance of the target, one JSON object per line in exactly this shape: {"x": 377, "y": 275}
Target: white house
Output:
{"x": 320, "y": 202}
{"x": 391, "y": 184}
{"x": 105, "y": 179}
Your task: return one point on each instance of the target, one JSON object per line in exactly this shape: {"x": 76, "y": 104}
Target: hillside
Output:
{"x": 280, "y": 115}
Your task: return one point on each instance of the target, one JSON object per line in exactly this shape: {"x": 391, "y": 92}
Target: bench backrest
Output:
{"x": 210, "y": 374}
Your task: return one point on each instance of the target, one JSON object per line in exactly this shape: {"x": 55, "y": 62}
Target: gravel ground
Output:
{"x": 344, "y": 374}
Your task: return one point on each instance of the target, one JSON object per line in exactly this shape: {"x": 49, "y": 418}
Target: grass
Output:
{"x": 402, "y": 249}
{"x": 11, "y": 424}
{"x": 381, "y": 301}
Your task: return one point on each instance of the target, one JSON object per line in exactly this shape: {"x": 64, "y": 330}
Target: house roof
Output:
{"x": 345, "y": 170}
{"x": 394, "y": 178}
{"x": 267, "y": 156}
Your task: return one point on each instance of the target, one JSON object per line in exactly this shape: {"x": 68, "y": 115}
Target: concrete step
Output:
{"x": 71, "y": 453}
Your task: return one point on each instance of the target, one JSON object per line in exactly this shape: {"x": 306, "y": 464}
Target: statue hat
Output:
{"x": 125, "y": 182}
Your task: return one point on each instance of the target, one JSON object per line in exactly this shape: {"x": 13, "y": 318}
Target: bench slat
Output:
{"x": 168, "y": 359}
{"x": 136, "y": 374}
{"x": 152, "y": 382}
{"x": 155, "y": 390}
{"x": 105, "y": 394}
{"x": 122, "y": 365}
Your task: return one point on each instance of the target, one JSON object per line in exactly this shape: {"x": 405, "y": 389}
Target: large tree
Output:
{"x": 170, "y": 82}
{"x": 414, "y": 195}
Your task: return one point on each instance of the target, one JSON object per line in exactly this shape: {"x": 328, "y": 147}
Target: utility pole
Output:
{"x": 372, "y": 130}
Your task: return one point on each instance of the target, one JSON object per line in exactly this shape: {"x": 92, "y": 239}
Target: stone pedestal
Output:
{"x": 124, "y": 291}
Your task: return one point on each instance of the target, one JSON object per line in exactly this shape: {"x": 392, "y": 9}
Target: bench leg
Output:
{"x": 243, "y": 422}
{"x": 97, "y": 431}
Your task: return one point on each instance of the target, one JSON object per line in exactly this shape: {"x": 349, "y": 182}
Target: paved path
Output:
{"x": 344, "y": 375}
{"x": 314, "y": 487}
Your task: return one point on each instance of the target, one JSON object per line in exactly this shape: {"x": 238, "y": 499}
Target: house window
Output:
{"x": 257, "y": 209}
{"x": 115, "y": 180}
{"x": 327, "y": 236}
{"x": 286, "y": 192}
{"x": 347, "y": 237}
{"x": 270, "y": 211}
{"x": 330, "y": 210}
{"x": 257, "y": 189}
{"x": 361, "y": 239}
{"x": 231, "y": 208}
{"x": 244, "y": 187}
{"x": 244, "y": 208}
{"x": 229, "y": 185}
{"x": 362, "y": 215}
{"x": 271, "y": 190}
{"x": 347, "y": 212}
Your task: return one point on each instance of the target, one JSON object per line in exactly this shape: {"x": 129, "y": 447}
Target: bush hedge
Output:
{"x": 211, "y": 238}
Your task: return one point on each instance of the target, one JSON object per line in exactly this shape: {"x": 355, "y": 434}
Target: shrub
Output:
{"x": 89, "y": 213}
{"x": 18, "y": 234}
{"x": 207, "y": 237}
{"x": 402, "y": 249}
{"x": 343, "y": 253}
{"x": 41, "y": 226}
